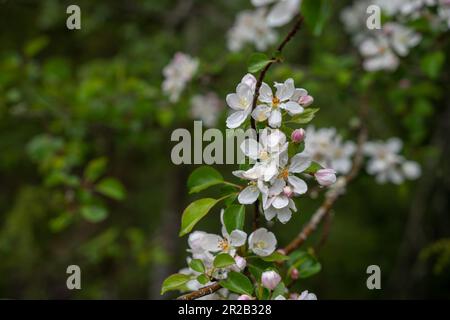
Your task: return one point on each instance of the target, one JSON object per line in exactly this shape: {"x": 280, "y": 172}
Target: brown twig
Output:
{"x": 201, "y": 292}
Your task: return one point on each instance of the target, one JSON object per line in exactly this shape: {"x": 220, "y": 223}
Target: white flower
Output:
{"x": 177, "y": 74}
{"x": 270, "y": 109}
{"x": 262, "y": 242}
{"x": 270, "y": 279}
{"x": 277, "y": 201}
{"x": 386, "y": 163}
{"x": 325, "y": 177}
{"x": 401, "y": 38}
{"x": 251, "y": 27}
{"x": 377, "y": 54}
{"x": 240, "y": 102}
{"x": 281, "y": 12}
{"x": 411, "y": 170}
{"x": 207, "y": 108}
{"x": 272, "y": 143}
{"x": 327, "y": 148}
{"x": 305, "y": 295}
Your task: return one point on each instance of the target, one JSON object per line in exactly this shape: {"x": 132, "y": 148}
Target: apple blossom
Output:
{"x": 241, "y": 103}
{"x": 206, "y": 108}
{"x": 298, "y": 135}
{"x": 281, "y": 12}
{"x": 177, "y": 74}
{"x": 270, "y": 279}
{"x": 251, "y": 27}
{"x": 262, "y": 242}
{"x": 305, "y": 295}
{"x": 271, "y": 106}
{"x": 325, "y": 177}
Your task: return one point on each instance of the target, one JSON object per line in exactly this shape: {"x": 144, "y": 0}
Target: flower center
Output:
{"x": 261, "y": 244}
{"x": 284, "y": 174}
{"x": 275, "y": 102}
{"x": 224, "y": 245}
{"x": 263, "y": 155}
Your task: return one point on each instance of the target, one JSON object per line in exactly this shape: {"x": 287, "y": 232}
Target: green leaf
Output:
{"x": 234, "y": 217}
{"x": 223, "y": 260}
{"x": 304, "y": 117}
{"x": 112, "y": 188}
{"x": 316, "y": 14}
{"x": 202, "y": 279}
{"x": 35, "y": 45}
{"x": 313, "y": 168}
{"x": 257, "y": 62}
{"x": 238, "y": 283}
{"x": 95, "y": 169}
{"x": 432, "y": 63}
{"x": 279, "y": 290}
{"x": 197, "y": 265}
{"x": 306, "y": 264}
{"x": 256, "y": 266}
{"x": 276, "y": 256}
{"x": 174, "y": 282}
{"x": 194, "y": 213}
{"x": 202, "y": 178}
{"x": 94, "y": 213}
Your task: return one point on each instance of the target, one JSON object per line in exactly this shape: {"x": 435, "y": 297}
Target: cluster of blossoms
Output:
{"x": 206, "y": 108}
{"x": 274, "y": 176}
{"x": 387, "y": 164}
{"x": 177, "y": 74}
{"x": 327, "y": 148}
{"x": 206, "y": 246}
{"x": 382, "y": 49}
{"x": 256, "y": 26}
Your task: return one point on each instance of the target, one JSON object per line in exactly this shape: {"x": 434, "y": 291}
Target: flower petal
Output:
{"x": 300, "y": 162}
{"x": 300, "y": 186}
{"x": 275, "y": 118}
{"x": 261, "y": 113}
{"x": 265, "y": 93}
{"x": 292, "y": 107}
{"x": 237, "y": 238}
{"x": 236, "y": 119}
{"x": 285, "y": 90}
{"x": 248, "y": 195}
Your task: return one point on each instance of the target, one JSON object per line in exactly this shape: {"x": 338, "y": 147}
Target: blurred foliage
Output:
{"x": 85, "y": 142}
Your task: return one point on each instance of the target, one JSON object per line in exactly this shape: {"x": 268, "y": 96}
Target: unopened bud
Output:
{"x": 325, "y": 177}
{"x": 298, "y": 135}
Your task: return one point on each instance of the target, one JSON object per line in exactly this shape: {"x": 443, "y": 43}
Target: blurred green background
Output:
{"x": 85, "y": 170}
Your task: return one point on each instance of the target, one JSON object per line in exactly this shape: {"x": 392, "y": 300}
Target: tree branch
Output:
{"x": 298, "y": 23}
{"x": 201, "y": 292}
{"x": 289, "y": 36}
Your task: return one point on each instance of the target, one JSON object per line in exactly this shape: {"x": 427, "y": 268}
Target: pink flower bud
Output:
{"x": 294, "y": 274}
{"x": 240, "y": 262}
{"x": 245, "y": 297}
{"x": 305, "y": 101}
{"x": 287, "y": 191}
{"x": 270, "y": 279}
{"x": 298, "y": 135}
{"x": 325, "y": 177}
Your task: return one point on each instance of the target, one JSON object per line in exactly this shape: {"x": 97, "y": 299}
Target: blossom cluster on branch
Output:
{"x": 383, "y": 48}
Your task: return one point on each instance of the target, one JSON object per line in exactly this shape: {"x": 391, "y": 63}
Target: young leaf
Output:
{"x": 316, "y": 13}
{"x": 94, "y": 213}
{"x": 257, "y": 62}
{"x": 202, "y": 178}
{"x": 194, "y": 213}
{"x": 257, "y": 266}
{"x": 279, "y": 290}
{"x": 432, "y": 63}
{"x": 276, "y": 256}
{"x": 304, "y": 117}
{"x": 202, "y": 279}
{"x": 95, "y": 169}
{"x": 197, "y": 265}
{"x": 306, "y": 264}
{"x": 313, "y": 168}
{"x": 233, "y": 217}
{"x": 112, "y": 188}
{"x": 223, "y": 260}
{"x": 174, "y": 281}
{"x": 238, "y": 283}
